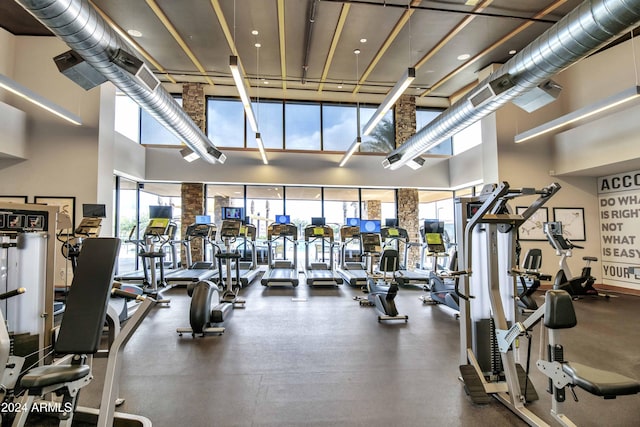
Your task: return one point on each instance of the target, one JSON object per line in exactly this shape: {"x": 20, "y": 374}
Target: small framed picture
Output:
{"x": 572, "y": 220}
{"x": 66, "y": 205}
{"x": 13, "y": 199}
{"x": 532, "y": 229}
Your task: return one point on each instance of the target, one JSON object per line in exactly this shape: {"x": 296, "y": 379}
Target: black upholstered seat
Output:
{"x": 53, "y": 374}
{"x": 601, "y": 383}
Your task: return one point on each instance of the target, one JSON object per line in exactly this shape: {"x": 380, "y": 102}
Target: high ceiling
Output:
{"x": 308, "y": 45}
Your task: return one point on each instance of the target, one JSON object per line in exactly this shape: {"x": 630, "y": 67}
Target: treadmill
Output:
{"x": 244, "y": 238}
{"x": 352, "y": 265}
{"x": 281, "y": 271}
{"x": 395, "y": 237}
{"x": 320, "y": 272}
{"x": 199, "y": 270}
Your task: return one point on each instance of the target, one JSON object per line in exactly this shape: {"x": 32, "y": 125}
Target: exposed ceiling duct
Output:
{"x": 79, "y": 25}
{"x": 583, "y": 31}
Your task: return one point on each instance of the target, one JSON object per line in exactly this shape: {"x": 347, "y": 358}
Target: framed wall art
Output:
{"x": 572, "y": 220}
{"x": 532, "y": 229}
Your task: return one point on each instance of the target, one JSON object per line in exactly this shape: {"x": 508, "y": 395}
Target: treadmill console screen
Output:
{"x": 89, "y": 226}
{"x": 230, "y": 228}
{"x": 435, "y": 243}
{"x": 157, "y": 227}
{"x": 371, "y": 242}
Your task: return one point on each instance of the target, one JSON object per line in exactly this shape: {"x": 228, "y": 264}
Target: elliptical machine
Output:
{"x": 576, "y": 286}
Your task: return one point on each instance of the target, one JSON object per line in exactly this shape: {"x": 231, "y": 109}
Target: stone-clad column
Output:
{"x": 405, "y": 117}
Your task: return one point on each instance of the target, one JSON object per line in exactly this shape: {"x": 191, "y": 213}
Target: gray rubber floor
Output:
{"x": 313, "y": 357}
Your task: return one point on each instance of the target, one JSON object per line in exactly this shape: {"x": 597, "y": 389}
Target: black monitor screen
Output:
{"x": 352, "y": 222}
{"x": 370, "y": 226}
{"x": 94, "y": 211}
{"x": 283, "y": 219}
{"x": 433, "y": 226}
{"x": 229, "y": 212}
{"x": 160, "y": 212}
{"x": 318, "y": 221}
{"x": 391, "y": 222}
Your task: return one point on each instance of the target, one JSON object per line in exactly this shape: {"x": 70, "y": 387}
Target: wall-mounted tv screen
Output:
{"x": 203, "y": 219}
{"x": 370, "y": 226}
{"x": 433, "y": 226}
{"x": 317, "y": 221}
{"x": 390, "y": 222}
{"x": 160, "y": 212}
{"x": 353, "y": 222}
{"x": 283, "y": 219}
{"x": 229, "y": 212}
{"x": 94, "y": 210}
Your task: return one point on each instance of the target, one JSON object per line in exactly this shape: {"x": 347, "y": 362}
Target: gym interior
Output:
{"x": 298, "y": 246}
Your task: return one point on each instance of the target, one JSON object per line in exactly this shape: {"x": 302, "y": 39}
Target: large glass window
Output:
{"x": 263, "y": 204}
{"x": 303, "y": 203}
{"x": 340, "y": 204}
{"x": 225, "y": 122}
{"x": 339, "y": 126}
{"x": 127, "y": 224}
{"x": 127, "y": 117}
{"x": 467, "y": 138}
{"x": 423, "y": 118}
{"x": 378, "y": 204}
{"x": 162, "y": 194}
{"x": 302, "y": 126}
{"x": 383, "y": 137}
{"x": 153, "y": 133}
{"x": 270, "y": 124}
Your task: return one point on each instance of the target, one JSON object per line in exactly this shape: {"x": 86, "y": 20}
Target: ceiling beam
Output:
{"x": 334, "y": 43}
{"x": 390, "y": 38}
{"x": 132, "y": 42}
{"x": 172, "y": 30}
{"x": 281, "y": 36}
{"x": 488, "y": 49}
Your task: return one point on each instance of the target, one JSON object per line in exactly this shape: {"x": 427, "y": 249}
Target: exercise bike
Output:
{"x": 381, "y": 291}
{"x": 577, "y": 286}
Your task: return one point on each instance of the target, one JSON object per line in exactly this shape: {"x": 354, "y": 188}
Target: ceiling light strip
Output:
{"x": 234, "y": 64}
{"x": 349, "y": 153}
{"x": 580, "y": 114}
{"x": 40, "y": 101}
{"x": 263, "y": 154}
{"x": 133, "y": 43}
{"x": 281, "y": 36}
{"x": 390, "y": 100}
{"x": 387, "y": 43}
{"x": 172, "y": 30}
{"x": 334, "y": 43}
{"x": 499, "y": 42}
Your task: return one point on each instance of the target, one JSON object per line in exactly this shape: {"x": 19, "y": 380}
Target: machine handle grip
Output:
{"x": 127, "y": 295}
{"x": 456, "y": 275}
{"x": 12, "y": 293}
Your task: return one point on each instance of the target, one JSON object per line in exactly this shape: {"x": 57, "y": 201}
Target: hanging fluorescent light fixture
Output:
{"x": 234, "y": 64}
{"x": 261, "y": 148}
{"x": 416, "y": 163}
{"x": 349, "y": 153}
{"x": 40, "y": 101}
{"x": 389, "y": 100}
{"x": 580, "y": 114}
{"x": 189, "y": 155}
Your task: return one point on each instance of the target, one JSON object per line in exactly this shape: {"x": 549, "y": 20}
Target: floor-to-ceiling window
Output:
{"x": 161, "y": 194}
{"x": 303, "y": 204}
{"x": 264, "y": 202}
{"x": 378, "y": 204}
{"x": 127, "y": 215}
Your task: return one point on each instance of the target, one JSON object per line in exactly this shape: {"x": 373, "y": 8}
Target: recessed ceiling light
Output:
{"x": 363, "y": 40}
{"x": 464, "y": 57}
{"x": 257, "y": 45}
{"x": 340, "y": 86}
{"x": 255, "y": 32}
{"x": 134, "y": 33}
{"x": 512, "y": 52}
{"x": 357, "y": 51}
{"x": 471, "y": 2}
{"x": 266, "y": 82}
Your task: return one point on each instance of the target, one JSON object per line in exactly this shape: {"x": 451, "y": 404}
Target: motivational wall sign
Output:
{"x": 619, "y": 201}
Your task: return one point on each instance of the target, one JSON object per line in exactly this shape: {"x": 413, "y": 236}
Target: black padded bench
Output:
{"x": 80, "y": 331}
{"x": 559, "y": 314}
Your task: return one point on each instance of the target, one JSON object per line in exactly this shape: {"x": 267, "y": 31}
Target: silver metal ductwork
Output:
{"x": 78, "y": 24}
{"x": 583, "y": 31}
